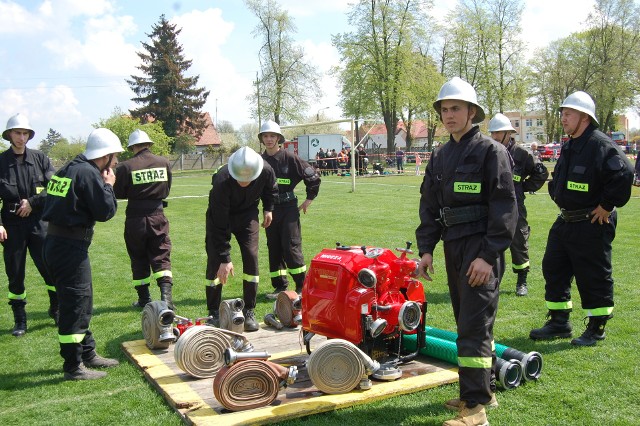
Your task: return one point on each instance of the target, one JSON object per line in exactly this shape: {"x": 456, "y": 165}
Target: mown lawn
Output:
{"x": 586, "y": 386}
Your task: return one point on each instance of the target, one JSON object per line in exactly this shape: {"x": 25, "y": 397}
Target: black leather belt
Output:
{"x": 81, "y": 233}
{"x": 576, "y": 215}
{"x": 285, "y": 197}
{"x": 450, "y": 216}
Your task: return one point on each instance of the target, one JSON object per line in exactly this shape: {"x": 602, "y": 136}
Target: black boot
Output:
{"x": 213, "y": 304}
{"x": 165, "y": 294}
{"x": 557, "y": 326}
{"x": 19, "y": 317}
{"x": 521, "y": 285}
{"x": 593, "y": 333}
{"x": 143, "y": 296}
{"x": 54, "y": 312}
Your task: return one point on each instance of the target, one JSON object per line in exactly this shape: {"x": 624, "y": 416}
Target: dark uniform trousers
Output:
{"x": 474, "y": 309}
{"x": 149, "y": 247}
{"x": 68, "y": 263}
{"x": 26, "y": 233}
{"x": 519, "y": 247}
{"x": 245, "y": 227}
{"x": 284, "y": 240}
{"x": 566, "y": 257}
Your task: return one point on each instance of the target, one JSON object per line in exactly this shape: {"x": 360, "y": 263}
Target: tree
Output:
{"x": 375, "y": 57}
{"x": 286, "y": 82}
{"x": 65, "y": 151}
{"x": 50, "y": 141}
{"x": 164, "y": 89}
{"x": 123, "y": 125}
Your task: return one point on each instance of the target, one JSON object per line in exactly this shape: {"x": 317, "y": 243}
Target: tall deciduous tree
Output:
{"x": 287, "y": 82}
{"x": 165, "y": 89}
{"x": 376, "y": 57}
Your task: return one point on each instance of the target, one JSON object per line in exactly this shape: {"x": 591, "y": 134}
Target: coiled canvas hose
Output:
{"x": 248, "y": 384}
{"x": 287, "y": 308}
{"x": 150, "y": 329}
{"x": 231, "y": 317}
{"x": 338, "y": 366}
{"x": 531, "y": 362}
{"x": 199, "y": 352}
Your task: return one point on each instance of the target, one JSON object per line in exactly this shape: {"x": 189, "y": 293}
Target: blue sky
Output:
{"x": 64, "y": 62}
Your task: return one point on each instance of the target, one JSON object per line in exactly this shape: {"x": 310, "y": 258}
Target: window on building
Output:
{"x": 539, "y": 122}
{"x": 528, "y": 122}
{"x": 528, "y": 137}
{"x": 517, "y": 123}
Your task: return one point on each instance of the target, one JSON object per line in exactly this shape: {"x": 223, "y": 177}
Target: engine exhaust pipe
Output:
{"x": 231, "y": 356}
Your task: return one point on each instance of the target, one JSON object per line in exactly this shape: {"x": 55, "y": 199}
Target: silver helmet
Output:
{"x": 270, "y": 126}
{"x": 581, "y": 101}
{"x": 458, "y": 89}
{"x": 18, "y": 121}
{"x": 137, "y": 137}
{"x": 102, "y": 142}
{"x": 500, "y": 123}
{"x": 245, "y": 165}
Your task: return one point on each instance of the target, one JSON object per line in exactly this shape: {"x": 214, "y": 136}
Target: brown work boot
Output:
{"x": 454, "y": 404}
{"x": 475, "y": 416}
{"x": 99, "y": 362}
{"x": 83, "y": 373}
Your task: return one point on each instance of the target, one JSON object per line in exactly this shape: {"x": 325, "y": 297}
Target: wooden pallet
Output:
{"x": 194, "y": 401}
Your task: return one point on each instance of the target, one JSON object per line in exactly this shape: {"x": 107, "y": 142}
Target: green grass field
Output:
{"x": 585, "y": 386}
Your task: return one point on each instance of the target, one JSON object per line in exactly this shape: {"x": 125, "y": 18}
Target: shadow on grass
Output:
{"x": 30, "y": 379}
{"x": 525, "y": 344}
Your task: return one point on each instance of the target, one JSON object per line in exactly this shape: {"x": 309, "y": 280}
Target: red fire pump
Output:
{"x": 368, "y": 297}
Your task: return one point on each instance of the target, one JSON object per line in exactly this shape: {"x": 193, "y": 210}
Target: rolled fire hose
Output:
{"x": 251, "y": 383}
{"x": 231, "y": 317}
{"x": 287, "y": 308}
{"x": 157, "y": 325}
{"x": 508, "y": 373}
{"x": 199, "y": 352}
{"x": 531, "y": 362}
{"x": 338, "y": 366}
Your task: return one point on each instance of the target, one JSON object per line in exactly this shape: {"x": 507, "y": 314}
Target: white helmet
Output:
{"x": 271, "y": 127}
{"x": 245, "y": 165}
{"x": 581, "y": 101}
{"x": 458, "y": 89}
{"x": 500, "y": 123}
{"x": 102, "y": 142}
{"x": 137, "y": 137}
{"x": 18, "y": 121}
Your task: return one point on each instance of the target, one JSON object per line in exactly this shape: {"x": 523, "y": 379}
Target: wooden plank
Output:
{"x": 194, "y": 401}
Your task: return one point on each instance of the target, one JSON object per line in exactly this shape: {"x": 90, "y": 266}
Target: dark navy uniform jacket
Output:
{"x": 474, "y": 171}
{"x": 290, "y": 169}
{"x": 592, "y": 170}
{"x": 77, "y": 196}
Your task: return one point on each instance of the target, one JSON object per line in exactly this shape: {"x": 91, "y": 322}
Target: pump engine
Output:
{"x": 369, "y": 297}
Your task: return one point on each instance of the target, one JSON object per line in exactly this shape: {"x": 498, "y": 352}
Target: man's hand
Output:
{"x": 3, "y": 234}
{"x": 601, "y": 215}
{"x": 223, "y": 272}
{"x": 425, "y": 266}
{"x": 25, "y": 208}
{"x": 266, "y": 221}
{"x": 479, "y": 272}
{"x": 304, "y": 206}
{"x": 108, "y": 176}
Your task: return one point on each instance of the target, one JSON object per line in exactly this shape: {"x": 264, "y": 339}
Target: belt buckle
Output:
{"x": 443, "y": 216}
{"x": 13, "y": 207}
{"x": 562, "y": 214}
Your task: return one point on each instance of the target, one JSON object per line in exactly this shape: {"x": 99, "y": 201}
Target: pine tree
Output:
{"x": 165, "y": 90}
{"x": 50, "y": 141}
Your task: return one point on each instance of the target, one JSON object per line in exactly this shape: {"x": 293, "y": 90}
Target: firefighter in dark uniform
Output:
{"x": 145, "y": 181}
{"x": 468, "y": 201}
{"x": 237, "y": 188}
{"x": 591, "y": 178}
{"x": 24, "y": 175}
{"x": 529, "y": 175}
{"x": 80, "y": 194}
{"x": 284, "y": 237}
